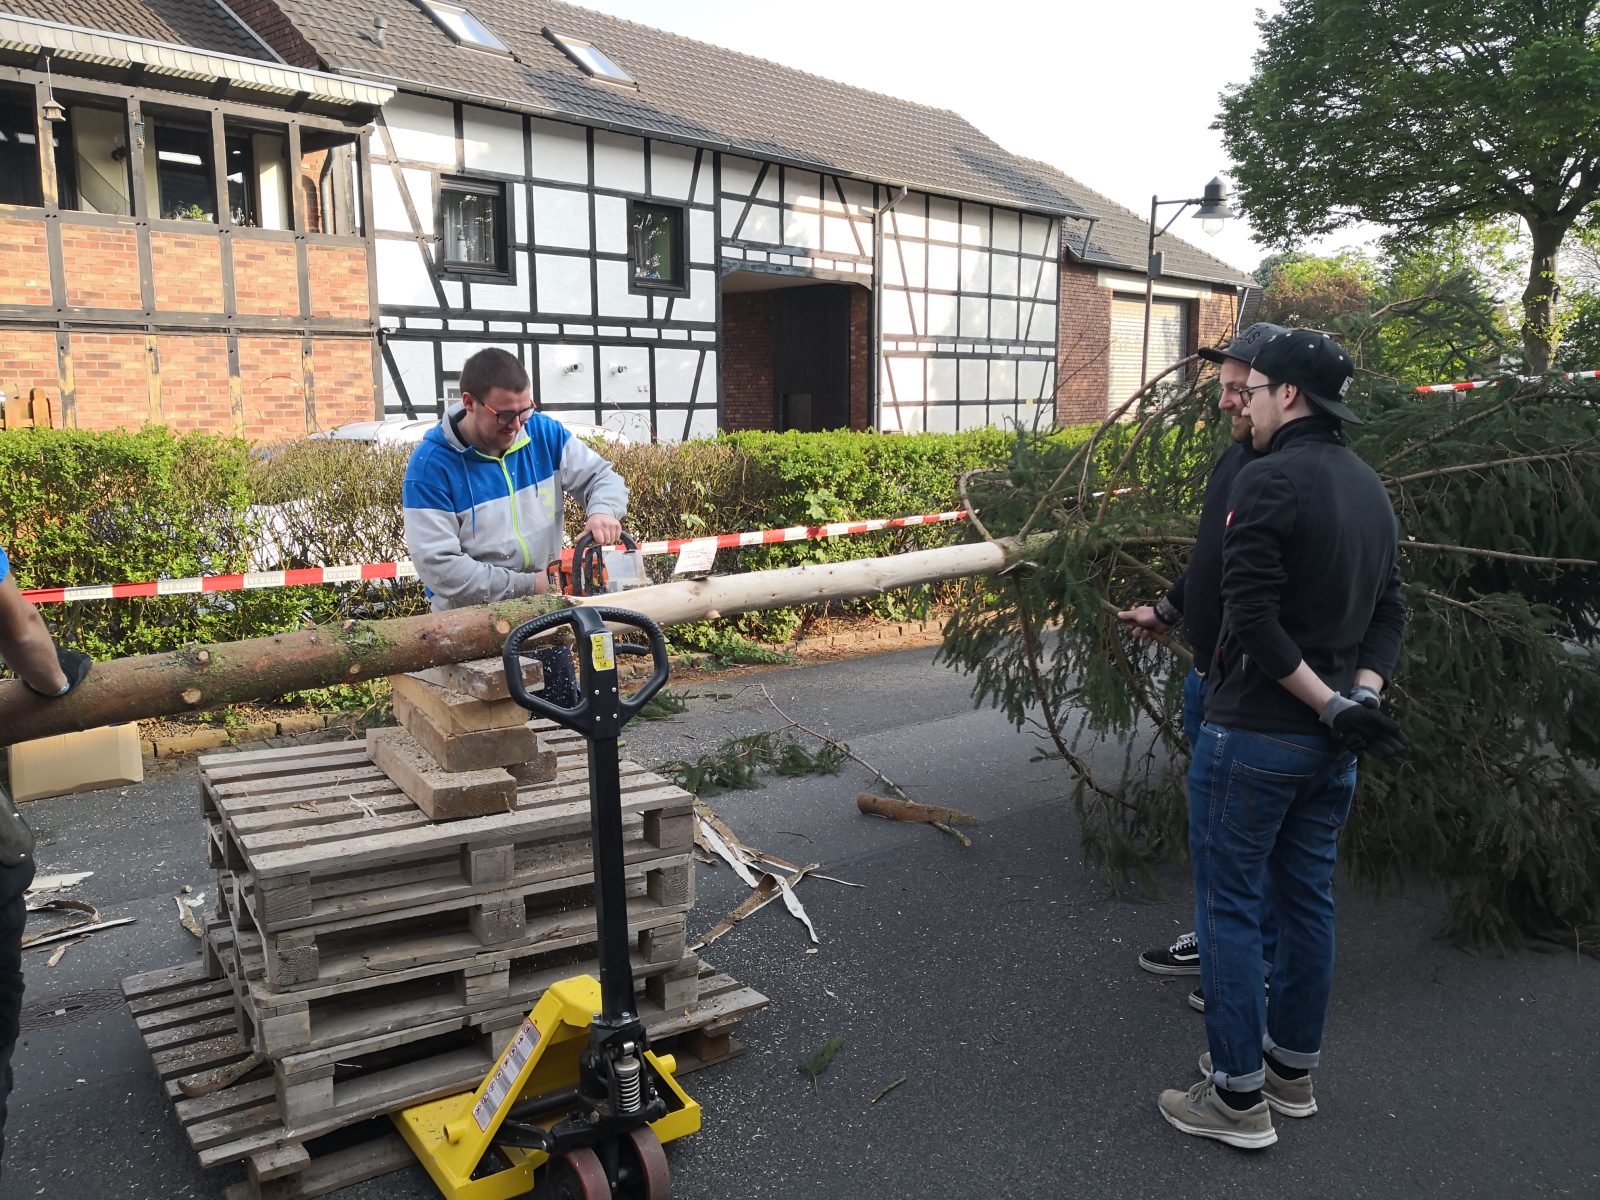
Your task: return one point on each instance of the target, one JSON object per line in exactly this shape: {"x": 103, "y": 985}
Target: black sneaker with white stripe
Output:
{"x": 1180, "y": 958}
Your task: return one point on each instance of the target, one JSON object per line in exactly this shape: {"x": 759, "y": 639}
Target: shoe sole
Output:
{"x": 1240, "y": 1141}
{"x": 1282, "y": 1107}
{"x": 1198, "y": 1005}
{"x": 1156, "y": 968}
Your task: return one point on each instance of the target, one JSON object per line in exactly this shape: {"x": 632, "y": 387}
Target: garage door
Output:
{"x": 1169, "y": 327}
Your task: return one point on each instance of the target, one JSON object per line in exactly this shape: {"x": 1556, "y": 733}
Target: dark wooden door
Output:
{"x": 811, "y": 356}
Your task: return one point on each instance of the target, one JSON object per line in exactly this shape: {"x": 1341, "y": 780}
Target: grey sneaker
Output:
{"x": 1291, "y": 1097}
{"x": 1200, "y": 1112}
{"x": 1180, "y": 958}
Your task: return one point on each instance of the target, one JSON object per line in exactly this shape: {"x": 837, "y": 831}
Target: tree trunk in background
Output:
{"x": 205, "y": 677}
{"x": 1539, "y": 298}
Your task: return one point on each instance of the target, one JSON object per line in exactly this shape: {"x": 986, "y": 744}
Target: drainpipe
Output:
{"x": 877, "y": 309}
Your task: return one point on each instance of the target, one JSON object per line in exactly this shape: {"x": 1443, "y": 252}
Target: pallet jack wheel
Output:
{"x": 642, "y": 1168}
{"x": 575, "y": 1175}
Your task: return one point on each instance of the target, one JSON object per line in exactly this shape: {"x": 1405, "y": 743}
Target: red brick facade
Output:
{"x": 274, "y": 28}
{"x": 747, "y": 397}
{"x": 187, "y": 272}
{"x": 127, "y": 366}
{"x": 1083, "y": 366}
{"x": 24, "y": 262}
{"x": 102, "y": 265}
{"x": 860, "y": 358}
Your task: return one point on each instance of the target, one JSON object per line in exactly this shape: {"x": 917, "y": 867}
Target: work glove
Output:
{"x": 74, "y": 665}
{"x": 1362, "y": 694}
{"x": 1356, "y": 728}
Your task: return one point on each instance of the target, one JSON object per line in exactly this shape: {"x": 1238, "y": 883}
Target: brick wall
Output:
{"x": 269, "y": 21}
{"x": 271, "y": 379}
{"x": 111, "y": 377}
{"x": 747, "y": 399}
{"x": 342, "y": 375}
{"x": 187, "y": 270}
{"x": 1083, "y": 370}
{"x": 29, "y": 362}
{"x": 265, "y": 277}
{"x": 24, "y": 263}
{"x": 194, "y": 382}
{"x": 1211, "y": 320}
{"x": 338, "y": 282}
{"x": 102, "y": 265}
{"x": 860, "y": 358}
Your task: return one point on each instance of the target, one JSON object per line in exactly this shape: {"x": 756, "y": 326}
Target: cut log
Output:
{"x": 911, "y": 810}
{"x": 195, "y": 678}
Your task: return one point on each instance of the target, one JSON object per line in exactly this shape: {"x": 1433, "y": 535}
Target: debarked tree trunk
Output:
{"x": 204, "y": 677}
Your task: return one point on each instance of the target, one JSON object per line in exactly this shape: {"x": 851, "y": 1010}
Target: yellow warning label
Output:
{"x": 601, "y": 651}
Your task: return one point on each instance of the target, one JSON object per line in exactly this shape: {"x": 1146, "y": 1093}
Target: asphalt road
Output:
{"x": 999, "y": 981}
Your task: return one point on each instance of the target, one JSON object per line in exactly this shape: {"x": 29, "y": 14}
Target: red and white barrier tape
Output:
{"x": 404, "y": 569}
{"x": 1474, "y": 384}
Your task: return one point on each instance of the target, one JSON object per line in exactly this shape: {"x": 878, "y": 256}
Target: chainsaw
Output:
{"x": 586, "y": 568}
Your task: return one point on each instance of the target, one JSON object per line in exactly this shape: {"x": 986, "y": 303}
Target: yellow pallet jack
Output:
{"x": 577, "y": 1107}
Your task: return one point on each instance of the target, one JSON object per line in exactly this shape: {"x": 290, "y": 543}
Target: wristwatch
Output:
{"x": 1166, "y": 612}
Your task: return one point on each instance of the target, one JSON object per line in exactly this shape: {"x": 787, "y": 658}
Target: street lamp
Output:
{"x": 1213, "y": 211}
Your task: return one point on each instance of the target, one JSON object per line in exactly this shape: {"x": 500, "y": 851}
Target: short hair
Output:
{"x": 492, "y": 368}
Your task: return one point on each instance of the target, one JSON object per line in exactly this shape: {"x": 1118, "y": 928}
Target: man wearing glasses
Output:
{"x": 1312, "y": 619}
{"x": 484, "y": 495}
{"x": 1196, "y": 599}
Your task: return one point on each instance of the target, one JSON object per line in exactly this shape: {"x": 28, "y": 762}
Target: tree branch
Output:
{"x": 1501, "y": 555}
{"x": 1496, "y": 462}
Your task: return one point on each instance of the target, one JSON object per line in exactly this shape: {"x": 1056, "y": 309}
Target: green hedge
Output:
{"x": 92, "y": 508}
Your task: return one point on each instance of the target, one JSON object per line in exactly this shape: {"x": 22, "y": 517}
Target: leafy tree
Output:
{"x": 1419, "y": 114}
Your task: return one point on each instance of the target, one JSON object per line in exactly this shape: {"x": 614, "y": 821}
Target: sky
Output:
{"x": 1120, "y": 96}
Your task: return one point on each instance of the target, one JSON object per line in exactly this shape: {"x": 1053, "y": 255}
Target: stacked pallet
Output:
{"x": 389, "y": 913}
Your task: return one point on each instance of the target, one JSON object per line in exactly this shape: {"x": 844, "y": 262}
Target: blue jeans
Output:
{"x": 1265, "y": 810}
{"x": 1194, "y": 712}
{"x": 14, "y": 883}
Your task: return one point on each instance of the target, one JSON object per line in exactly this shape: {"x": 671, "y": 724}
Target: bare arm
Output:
{"x": 25, "y": 643}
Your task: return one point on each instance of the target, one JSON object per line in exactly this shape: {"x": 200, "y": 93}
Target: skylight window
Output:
{"x": 459, "y": 23}
{"x": 590, "y": 58}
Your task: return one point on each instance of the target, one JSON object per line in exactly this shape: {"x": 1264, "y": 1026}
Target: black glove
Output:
{"x": 74, "y": 665}
{"x": 1356, "y": 728}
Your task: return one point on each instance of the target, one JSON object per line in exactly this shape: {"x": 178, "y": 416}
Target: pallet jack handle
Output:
{"x": 599, "y": 715}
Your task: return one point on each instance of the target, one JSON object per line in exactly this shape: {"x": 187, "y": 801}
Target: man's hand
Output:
{"x": 1356, "y": 728}
{"x": 604, "y": 528}
{"x": 74, "y": 665}
{"x": 1144, "y": 624}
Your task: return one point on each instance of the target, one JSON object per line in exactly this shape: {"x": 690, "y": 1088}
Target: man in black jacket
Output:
{"x": 1195, "y": 600}
{"x": 1312, "y": 618}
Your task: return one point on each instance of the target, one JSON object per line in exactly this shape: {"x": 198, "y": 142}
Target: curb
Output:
{"x": 202, "y": 740}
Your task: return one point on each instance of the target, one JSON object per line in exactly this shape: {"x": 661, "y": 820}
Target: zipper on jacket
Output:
{"x": 516, "y": 522}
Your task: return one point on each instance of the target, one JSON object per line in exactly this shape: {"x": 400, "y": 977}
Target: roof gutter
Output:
{"x": 403, "y": 83}
{"x": 66, "y": 44}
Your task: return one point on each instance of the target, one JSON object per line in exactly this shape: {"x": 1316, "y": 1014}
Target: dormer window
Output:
{"x": 457, "y": 20}
{"x": 590, "y": 58}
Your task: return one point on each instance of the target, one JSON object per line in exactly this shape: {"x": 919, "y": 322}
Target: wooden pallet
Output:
{"x": 183, "y": 1015}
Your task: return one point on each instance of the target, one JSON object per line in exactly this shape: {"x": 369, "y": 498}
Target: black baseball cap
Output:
{"x": 1315, "y": 364}
{"x": 1245, "y": 346}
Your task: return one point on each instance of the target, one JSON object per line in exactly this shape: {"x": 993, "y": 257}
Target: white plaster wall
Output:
{"x": 942, "y": 312}
{"x": 762, "y": 225}
{"x": 1002, "y": 379}
{"x": 940, "y": 418}
{"x": 941, "y": 380}
{"x": 675, "y": 371}
{"x": 973, "y": 374}
{"x": 974, "y": 317}
{"x": 906, "y": 218}
{"x": 558, "y": 385}
{"x": 1002, "y": 318}
{"x": 1007, "y": 229}
{"x": 611, "y": 224}
{"x": 388, "y": 210}
{"x": 560, "y": 152}
{"x": 618, "y": 162}
{"x": 1039, "y": 234}
{"x": 671, "y": 170}
{"x": 563, "y": 284}
{"x": 944, "y": 223}
{"x": 561, "y": 218}
{"x": 415, "y": 363}
{"x": 738, "y": 175}
{"x": 703, "y": 420}
{"x": 801, "y": 188}
{"x": 422, "y": 129}
{"x": 505, "y": 297}
{"x": 943, "y": 269}
{"x": 1005, "y": 275}
{"x": 453, "y": 355}
{"x": 420, "y": 186}
{"x": 615, "y": 300}
{"x": 492, "y": 140}
{"x": 1044, "y": 324}
{"x": 701, "y": 302}
{"x": 974, "y": 225}
{"x": 453, "y": 295}
{"x": 901, "y": 318}
{"x": 1030, "y": 379}
{"x": 906, "y": 375}
{"x": 702, "y": 237}
{"x": 974, "y": 270}
{"x": 803, "y": 229}
{"x": 838, "y": 238}
{"x": 624, "y": 380}
{"x": 403, "y": 274}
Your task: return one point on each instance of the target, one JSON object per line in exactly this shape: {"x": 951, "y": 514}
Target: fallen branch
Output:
{"x": 839, "y": 746}
{"x": 73, "y": 931}
{"x": 944, "y": 820}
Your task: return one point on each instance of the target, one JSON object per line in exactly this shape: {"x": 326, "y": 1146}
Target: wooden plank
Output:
{"x": 453, "y": 711}
{"x": 483, "y": 678}
{"x": 476, "y": 750}
{"x": 442, "y": 795}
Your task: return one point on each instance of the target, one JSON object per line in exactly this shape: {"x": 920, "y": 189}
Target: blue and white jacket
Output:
{"x": 480, "y": 528}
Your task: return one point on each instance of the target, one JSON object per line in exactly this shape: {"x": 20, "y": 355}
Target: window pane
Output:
{"x": 19, "y": 148}
{"x": 92, "y": 170}
{"x": 655, "y": 236}
{"x": 472, "y": 225}
{"x": 184, "y": 186}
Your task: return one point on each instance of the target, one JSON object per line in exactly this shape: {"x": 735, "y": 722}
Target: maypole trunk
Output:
{"x": 205, "y": 677}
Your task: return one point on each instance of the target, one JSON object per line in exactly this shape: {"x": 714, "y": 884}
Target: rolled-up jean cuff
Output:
{"x": 1241, "y": 1083}
{"x": 1291, "y": 1058}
